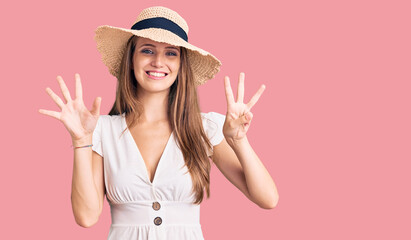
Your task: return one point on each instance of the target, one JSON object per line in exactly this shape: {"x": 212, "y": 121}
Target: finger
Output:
{"x": 228, "y": 91}
{"x": 249, "y": 120}
{"x": 79, "y": 89}
{"x": 240, "y": 88}
{"x": 247, "y": 125}
{"x": 54, "y": 114}
{"x": 56, "y": 98}
{"x": 249, "y": 116}
{"x": 96, "y": 107}
{"x": 245, "y": 119}
{"x": 64, "y": 89}
{"x": 256, "y": 96}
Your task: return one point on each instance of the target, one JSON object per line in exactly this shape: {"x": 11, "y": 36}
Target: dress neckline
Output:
{"x": 140, "y": 156}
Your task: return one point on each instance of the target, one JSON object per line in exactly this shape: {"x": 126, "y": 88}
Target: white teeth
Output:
{"x": 156, "y": 74}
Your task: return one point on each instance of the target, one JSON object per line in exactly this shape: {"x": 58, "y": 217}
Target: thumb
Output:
{"x": 246, "y": 118}
{"x": 96, "y": 106}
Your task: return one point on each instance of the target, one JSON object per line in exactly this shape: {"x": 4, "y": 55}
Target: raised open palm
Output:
{"x": 238, "y": 117}
{"x": 78, "y": 120}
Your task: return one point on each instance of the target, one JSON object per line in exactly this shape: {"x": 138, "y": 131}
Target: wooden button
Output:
{"x": 156, "y": 206}
{"x": 158, "y": 221}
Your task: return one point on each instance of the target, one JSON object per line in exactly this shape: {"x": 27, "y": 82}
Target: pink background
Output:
{"x": 333, "y": 126}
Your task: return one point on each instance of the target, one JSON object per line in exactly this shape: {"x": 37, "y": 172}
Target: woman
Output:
{"x": 150, "y": 155}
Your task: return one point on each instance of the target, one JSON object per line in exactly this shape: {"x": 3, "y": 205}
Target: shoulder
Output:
{"x": 110, "y": 126}
{"x": 212, "y": 120}
{"x": 212, "y": 117}
{"x": 106, "y": 122}
{"x": 213, "y": 123}
{"x": 110, "y": 118}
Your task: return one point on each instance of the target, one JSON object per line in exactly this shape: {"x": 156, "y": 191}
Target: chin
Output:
{"x": 156, "y": 85}
{"x": 156, "y": 89}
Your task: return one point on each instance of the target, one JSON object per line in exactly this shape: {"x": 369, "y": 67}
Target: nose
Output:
{"x": 158, "y": 61}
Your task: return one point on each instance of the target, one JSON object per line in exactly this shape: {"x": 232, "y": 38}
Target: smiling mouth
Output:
{"x": 156, "y": 74}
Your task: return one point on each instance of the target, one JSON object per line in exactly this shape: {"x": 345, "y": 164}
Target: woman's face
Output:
{"x": 155, "y": 65}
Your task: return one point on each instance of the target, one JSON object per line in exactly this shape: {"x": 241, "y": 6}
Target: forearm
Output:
{"x": 84, "y": 197}
{"x": 260, "y": 185}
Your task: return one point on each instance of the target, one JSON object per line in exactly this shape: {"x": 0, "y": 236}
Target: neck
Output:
{"x": 155, "y": 107}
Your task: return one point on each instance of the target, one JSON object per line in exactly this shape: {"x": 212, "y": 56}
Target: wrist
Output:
{"x": 237, "y": 143}
{"x": 87, "y": 140}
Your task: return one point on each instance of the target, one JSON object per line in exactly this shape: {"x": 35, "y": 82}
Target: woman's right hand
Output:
{"x": 78, "y": 120}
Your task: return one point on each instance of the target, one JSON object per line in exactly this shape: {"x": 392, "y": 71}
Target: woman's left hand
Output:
{"x": 238, "y": 117}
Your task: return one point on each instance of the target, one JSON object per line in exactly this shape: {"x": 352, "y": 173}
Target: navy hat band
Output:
{"x": 163, "y": 23}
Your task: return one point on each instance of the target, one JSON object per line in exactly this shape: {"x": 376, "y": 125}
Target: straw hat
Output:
{"x": 159, "y": 24}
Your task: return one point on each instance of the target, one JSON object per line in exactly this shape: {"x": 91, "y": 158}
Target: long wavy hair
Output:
{"x": 183, "y": 113}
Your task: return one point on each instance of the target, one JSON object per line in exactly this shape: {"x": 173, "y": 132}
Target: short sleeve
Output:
{"x": 213, "y": 123}
{"x": 97, "y": 137}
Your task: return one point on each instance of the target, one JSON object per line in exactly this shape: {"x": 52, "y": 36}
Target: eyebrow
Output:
{"x": 151, "y": 45}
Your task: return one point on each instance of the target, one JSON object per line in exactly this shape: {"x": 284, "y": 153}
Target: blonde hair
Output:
{"x": 183, "y": 111}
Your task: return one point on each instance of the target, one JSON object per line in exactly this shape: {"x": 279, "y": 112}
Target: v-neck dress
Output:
{"x": 141, "y": 209}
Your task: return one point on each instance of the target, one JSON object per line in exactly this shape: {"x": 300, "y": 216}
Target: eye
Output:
{"x": 148, "y": 51}
{"x": 171, "y": 54}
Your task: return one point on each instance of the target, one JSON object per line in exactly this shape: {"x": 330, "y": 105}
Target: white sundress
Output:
{"x": 144, "y": 210}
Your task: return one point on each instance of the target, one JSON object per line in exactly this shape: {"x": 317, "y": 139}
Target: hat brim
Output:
{"x": 111, "y": 42}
